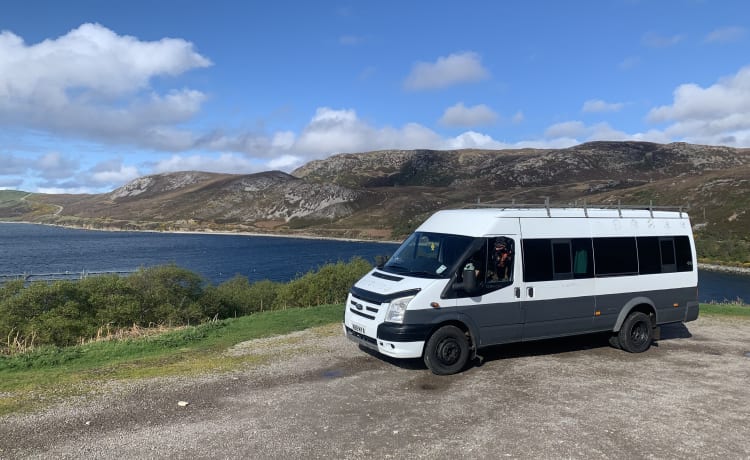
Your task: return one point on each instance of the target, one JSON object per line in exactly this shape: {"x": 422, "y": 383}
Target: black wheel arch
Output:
{"x": 462, "y": 322}
{"x": 641, "y": 304}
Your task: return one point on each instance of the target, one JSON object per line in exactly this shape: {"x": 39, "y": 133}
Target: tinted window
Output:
{"x": 537, "y": 260}
{"x": 562, "y": 262}
{"x": 683, "y": 253}
{"x": 648, "y": 255}
{"x": 615, "y": 256}
{"x": 667, "y": 251}
{"x": 583, "y": 258}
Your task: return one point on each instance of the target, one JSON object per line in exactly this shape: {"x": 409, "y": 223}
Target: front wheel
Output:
{"x": 636, "y": 333}
{"x": 447, "y": 351}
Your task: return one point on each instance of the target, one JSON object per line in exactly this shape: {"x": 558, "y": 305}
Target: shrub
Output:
{"x": 330, "y": 284}
{"x": 68, "y": 312}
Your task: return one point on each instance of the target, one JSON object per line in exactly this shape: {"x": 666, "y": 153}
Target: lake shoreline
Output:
{"x": 724, "y": 269}
{"x": 302, "y": 236}
{"x": 702, "y": 266}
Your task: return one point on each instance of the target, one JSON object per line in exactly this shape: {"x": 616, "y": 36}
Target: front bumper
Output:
{"x": 389, "y": 343}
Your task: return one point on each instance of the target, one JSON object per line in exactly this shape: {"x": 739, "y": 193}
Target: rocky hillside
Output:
{"x": 385, "y": 194}
{"x": 524, "y": 168}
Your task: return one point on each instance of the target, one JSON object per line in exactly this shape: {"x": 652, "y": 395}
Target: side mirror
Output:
{"x": 380, "y": 261}
{"x": 469, "y": 284}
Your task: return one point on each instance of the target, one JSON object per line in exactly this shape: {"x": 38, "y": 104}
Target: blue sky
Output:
{"x": 94, "y": 94}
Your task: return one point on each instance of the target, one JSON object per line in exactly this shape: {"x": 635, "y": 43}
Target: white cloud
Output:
{"x": 565, "y": 129}
{"x": 473, "y": 140}
{"x": 447, "y": 71}
{"x": 285, "y": 162}
{"x": 111, "y": 172}
{"x": 460, "y": 115}
{"x": 719, "y": 114}
{"x": 54, "y": 165}
{"x": 223, "y": 163}
{"x": 518, "y": 118}
{"x": 598, "y": 105}
{"x": 726, "y": 35}
{"x": 654, "y": 40}
{"x": 12, "y": 164}
{"x": 93, "y": 83}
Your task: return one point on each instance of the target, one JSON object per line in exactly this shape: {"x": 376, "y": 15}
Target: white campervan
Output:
{"x": 471, "y": 278}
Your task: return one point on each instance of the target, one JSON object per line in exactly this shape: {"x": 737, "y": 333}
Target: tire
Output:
{"x": 447, "y": 351}
{"x": 614, "y": 341}
{"x": 636, "y": 333}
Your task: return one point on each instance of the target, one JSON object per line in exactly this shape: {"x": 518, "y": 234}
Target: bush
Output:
{"x": 330, "y": 284}
{"x": 64, "y": 313}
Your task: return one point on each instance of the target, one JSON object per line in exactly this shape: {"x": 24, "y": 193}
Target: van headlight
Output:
{"x": 396, "y": 309}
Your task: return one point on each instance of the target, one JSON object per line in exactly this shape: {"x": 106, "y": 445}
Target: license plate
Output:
{"x": 357, "y": 328}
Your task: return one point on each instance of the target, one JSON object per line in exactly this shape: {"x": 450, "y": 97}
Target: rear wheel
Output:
{"x": 636, "y": 333}
{"x": 447, "y": 351}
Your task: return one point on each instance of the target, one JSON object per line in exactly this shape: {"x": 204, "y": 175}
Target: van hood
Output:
{"x": 385, "y": 283}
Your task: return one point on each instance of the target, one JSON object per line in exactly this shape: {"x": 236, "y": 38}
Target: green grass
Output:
{"x": 50, "y": 374}
{"x": 62, "y": 372}
{"x": 728, "y": 309}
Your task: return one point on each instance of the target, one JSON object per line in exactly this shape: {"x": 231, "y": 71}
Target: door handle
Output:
{"x": 530, "y": 291}
{"x": 517, "y": 292}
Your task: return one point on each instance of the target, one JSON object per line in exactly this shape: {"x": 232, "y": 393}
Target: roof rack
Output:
{"x": 546, "y": 205}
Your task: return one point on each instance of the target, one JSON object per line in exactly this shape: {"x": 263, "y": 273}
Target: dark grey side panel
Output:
{"x": 556, "y": 317}
{"x": 492, "y": 324}
{"x": 663, "y": 302}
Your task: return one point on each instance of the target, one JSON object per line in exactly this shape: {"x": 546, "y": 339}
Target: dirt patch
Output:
{"x": 322, "y": 397}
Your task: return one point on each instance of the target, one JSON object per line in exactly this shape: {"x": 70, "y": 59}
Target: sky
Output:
{"x": 94, "y": 94}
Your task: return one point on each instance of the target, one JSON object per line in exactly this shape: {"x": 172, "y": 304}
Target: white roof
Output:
{"x": 485, "y": 221}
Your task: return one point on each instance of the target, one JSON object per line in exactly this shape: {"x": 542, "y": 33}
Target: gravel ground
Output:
{"x": 323, "y": 397}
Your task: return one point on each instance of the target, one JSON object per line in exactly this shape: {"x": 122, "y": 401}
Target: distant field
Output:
{"x": 10, "y": 196}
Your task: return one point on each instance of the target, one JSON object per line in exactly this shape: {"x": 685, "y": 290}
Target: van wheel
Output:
{"x": 447, "y": 351}
{"x": 636, "y": 333}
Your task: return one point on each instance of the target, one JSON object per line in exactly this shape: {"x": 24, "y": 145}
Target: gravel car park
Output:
{"x": 323, "y": 397}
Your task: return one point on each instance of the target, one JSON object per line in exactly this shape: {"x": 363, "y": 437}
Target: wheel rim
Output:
{"x": 639, "y": 333}
{"x": 448, "y": 351}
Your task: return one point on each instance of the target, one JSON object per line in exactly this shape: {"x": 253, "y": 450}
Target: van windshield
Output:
{"x": 428, "y": 255}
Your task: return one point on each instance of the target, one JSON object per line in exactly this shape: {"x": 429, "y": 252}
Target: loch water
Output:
{"x": 40, "y": 249}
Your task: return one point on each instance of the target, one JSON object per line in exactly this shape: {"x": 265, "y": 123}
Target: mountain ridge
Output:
{"x": 385, "y": 194}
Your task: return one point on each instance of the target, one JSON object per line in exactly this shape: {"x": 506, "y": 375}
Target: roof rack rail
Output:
{"x": 586, "y": 206}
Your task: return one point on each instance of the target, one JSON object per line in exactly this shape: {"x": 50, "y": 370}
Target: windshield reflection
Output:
{"x": 428, "y": 255}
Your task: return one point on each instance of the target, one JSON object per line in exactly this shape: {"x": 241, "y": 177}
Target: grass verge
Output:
{"x": 729, "y": 309}
{"x": 48, "y": 374}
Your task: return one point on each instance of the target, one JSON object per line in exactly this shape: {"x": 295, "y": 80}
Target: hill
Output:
{"x": 385, "y": 194}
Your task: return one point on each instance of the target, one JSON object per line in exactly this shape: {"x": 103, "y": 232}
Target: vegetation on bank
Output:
{"x": 65, "y": 313}
{"x": 49, "y": 374}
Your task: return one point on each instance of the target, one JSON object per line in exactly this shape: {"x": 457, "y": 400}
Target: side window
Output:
{"x": 616, "y": 256}
{"x": 649, "y": 261}
{"x": 500, "y": 258}
{"x": 492, "y": 263}
{"x": 683, "y": 253}
{"x": 664, "y": 254}
{"x": 537, "y": 260}
{"x": 583, "y": 258}
{"x": 666, "y": 249}
{"x": 563, "y": 259}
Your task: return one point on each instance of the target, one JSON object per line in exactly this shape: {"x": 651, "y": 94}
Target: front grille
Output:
{"x": 359, "y": 313}
{"x": 360, "y": 306}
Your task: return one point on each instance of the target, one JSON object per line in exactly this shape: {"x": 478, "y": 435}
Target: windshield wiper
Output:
{"x": 396, "y": 267}
{"x": 425, "y": 274}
